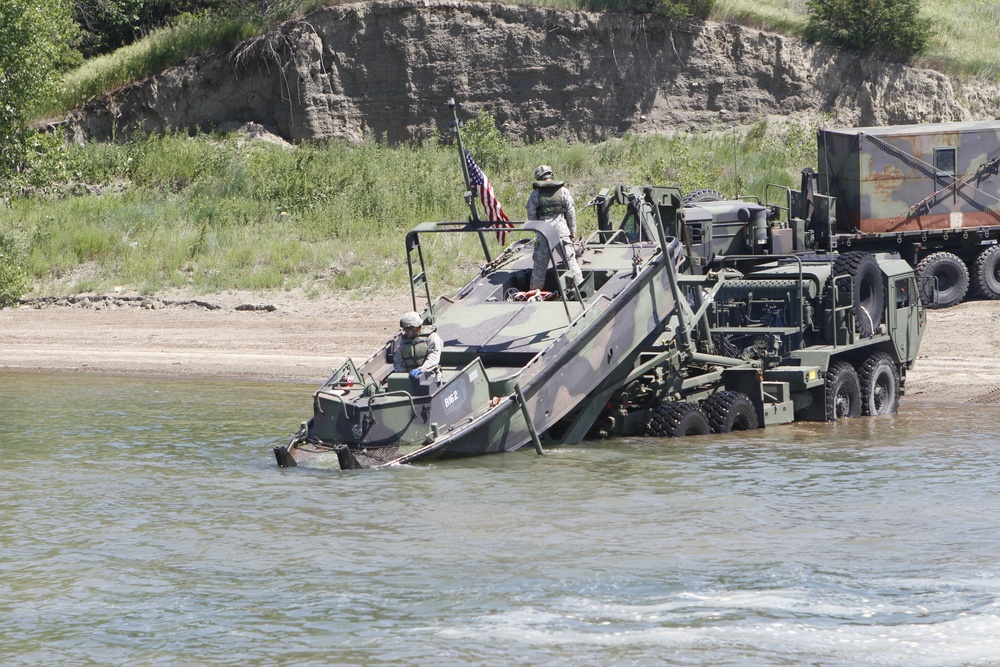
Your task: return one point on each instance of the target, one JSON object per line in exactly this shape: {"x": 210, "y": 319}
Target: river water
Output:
{"x": 144, "y": 523}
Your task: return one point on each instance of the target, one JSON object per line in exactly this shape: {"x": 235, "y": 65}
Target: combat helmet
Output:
{"x": 411, "y": 319}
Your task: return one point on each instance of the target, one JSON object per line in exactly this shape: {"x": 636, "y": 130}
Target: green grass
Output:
{"x": 963, "y": 37}
{"x": 961, "y": 45}
{"x": 160, "y": 49}
{"x": 212, "y": 213}
{"x": 785, "y": 16}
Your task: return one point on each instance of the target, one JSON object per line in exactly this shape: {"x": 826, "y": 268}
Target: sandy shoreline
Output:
{"x": 273, "y": 337}
{"x": 287, "y": 337}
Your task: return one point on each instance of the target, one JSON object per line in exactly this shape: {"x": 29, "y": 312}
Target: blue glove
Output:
{"x": 415, "y": 373}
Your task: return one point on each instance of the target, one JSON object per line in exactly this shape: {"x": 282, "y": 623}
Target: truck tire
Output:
{"x": 699, "y": 196}
{"x": 986, "y": 273}
{"x": 879, "y": 385}
{"x": 843, "y": 391}
{"x": 952, "y": 279}
{"x": 869, "y": 293}
{"x": 730, "y": 411}
{"x": 675, "y": 420}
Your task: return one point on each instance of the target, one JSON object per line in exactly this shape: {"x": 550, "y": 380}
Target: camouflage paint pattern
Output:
{"x": 556, "y": 352}
{"x": 567, "y": 358}
{"x": 912, "y": 177}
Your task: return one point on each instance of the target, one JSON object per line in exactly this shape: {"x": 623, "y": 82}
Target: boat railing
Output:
{"x": 318, "y": 407}
{"x": 389, "y": 394}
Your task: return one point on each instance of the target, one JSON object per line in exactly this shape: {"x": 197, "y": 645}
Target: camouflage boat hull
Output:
{"x": 513, "y": 372}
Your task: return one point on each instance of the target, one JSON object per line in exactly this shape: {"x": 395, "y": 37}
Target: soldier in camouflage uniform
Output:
{"x": 416, "y": 351}
{"x": 552, "y": 202}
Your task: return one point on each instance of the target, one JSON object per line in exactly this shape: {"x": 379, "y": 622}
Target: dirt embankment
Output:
{"x": 387, "y": 68}
{"x": 290, "y": 338}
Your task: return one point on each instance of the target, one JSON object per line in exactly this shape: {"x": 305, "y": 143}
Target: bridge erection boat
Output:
{"x": 664, "y": 336}
{"x": 517, "y": 367}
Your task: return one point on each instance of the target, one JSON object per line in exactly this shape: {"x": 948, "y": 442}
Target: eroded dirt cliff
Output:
{"x": 387, "y": 68}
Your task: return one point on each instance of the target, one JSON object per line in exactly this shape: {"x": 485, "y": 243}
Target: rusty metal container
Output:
{"x": 912, "y": 177}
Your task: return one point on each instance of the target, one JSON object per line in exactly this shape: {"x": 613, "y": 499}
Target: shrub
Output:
{"x": 482, "y": 138}
{"x": 34, "y": 45}
{"x": 888, "y": 28}
{"x": 13, "y": 282}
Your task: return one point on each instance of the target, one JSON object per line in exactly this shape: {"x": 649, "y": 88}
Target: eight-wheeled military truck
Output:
{"x": 929, "y": 193}
{"x": 662, "y": 337}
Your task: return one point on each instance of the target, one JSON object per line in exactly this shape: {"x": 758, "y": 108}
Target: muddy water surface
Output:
{"x": 143, "y": 522}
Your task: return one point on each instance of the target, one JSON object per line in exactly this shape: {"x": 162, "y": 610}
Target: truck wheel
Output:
{"x": 730, "y": 411}
{"x": 952, "y": 279}
{"x": 879, "y": 385}
{"x": 843, "y": 391}
{"x": 869, "y": 295}
{"x": 702, "y": 195}
{"x": 675, "y": 420}
{"x": 986, "y": 273}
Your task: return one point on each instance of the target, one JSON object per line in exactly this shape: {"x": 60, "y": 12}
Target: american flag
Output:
{"x": 481, "y": 184}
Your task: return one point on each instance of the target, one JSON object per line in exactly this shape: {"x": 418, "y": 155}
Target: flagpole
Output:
{"x": 470, "y": 197}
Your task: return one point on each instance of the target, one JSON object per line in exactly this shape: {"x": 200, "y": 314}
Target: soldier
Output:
{"x": 552, "y": 202}
{"x": 415, "y": 351}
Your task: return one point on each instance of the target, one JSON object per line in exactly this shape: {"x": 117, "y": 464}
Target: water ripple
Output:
{"x": 143, "y": 522}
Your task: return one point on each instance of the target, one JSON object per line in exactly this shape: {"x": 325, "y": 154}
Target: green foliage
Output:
{"x": 42, "y": 155}
{"x": 107, "y": 25}
{"x": 482, "y": 138}
{"x": 185, "y": 36}
{"x": 13, "y": 281}
{"x": 214, "y": 212}
{"x": 672, "y": 10}
{"x": 35, "y": 36}
{"x": 786, "y": 16}
{"x": 888, "y": 28}
{"x": 128, "y": 40}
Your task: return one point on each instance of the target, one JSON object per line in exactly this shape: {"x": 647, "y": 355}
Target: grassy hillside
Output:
{"x": 962, "y": 44}
{"x": 215, "y": 213}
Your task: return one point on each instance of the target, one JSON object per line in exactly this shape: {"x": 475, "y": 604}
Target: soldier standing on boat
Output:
{"x": 416, "y": 351}
{"x": 552, "y": 202}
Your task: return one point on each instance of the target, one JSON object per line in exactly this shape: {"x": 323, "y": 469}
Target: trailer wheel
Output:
{"x": 699, "y": 196}
{"x": 675, "y": 420}
{"x": 869, "y": 294}
{"x": 986, "y": 272}
{"x": 730, "y": 411}
{"x": 952, "y": 280}
{"x": 879, "y": 385}
{"x": 843, "y": 391}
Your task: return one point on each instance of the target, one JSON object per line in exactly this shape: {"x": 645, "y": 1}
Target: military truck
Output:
{"x": 659, "y": 339}
{"x": 929, "y": 193}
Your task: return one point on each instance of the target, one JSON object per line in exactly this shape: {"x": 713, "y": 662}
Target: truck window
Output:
{"x": 944, "y": 161}
{"x": 902, "y": 292}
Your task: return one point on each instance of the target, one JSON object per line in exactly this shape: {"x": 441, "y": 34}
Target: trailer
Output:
{"x": 929, "y": 193}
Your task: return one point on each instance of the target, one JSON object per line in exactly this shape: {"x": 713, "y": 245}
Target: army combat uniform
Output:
{"x": 552, "y": 202}
{"x": 423, "y": 351}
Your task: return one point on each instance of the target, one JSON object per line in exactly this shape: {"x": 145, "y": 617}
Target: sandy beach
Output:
{"x": 288, "y": 337}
